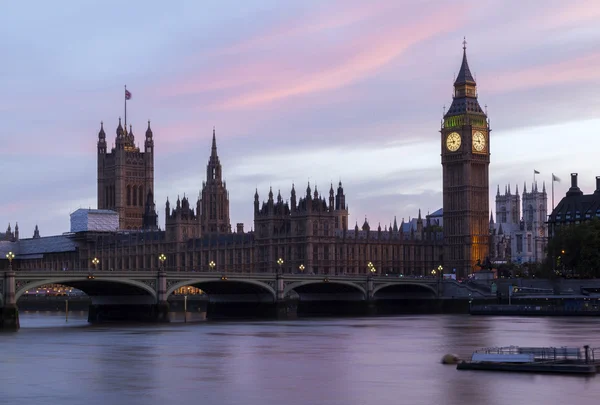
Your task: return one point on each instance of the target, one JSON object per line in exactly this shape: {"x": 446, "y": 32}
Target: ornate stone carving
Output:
{"x": 151, "y": 283}
{"x": 287, "y": 284}
{"x": 21, "y": 284}
{"x": 172, "y": 283}
{"x": 272, "y": 284}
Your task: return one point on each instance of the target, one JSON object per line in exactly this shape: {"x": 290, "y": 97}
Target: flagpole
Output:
{"x": 125, "y": 96}
{"x": 552, "y": 192}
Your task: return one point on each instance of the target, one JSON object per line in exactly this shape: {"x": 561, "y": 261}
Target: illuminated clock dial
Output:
{"x": 479, "y": 141}
{"x": 453, "y": 142}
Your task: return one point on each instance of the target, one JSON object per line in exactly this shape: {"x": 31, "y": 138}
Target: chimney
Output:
{"x": 240, "y": 228}
{"x": 597, "y": 191}
{"x": 574, "y": 190}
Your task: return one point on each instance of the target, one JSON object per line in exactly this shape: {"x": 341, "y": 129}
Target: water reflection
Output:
{"x": 326, "y": 361}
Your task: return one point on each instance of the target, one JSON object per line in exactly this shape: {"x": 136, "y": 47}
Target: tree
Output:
{"x": 575, "y": 250}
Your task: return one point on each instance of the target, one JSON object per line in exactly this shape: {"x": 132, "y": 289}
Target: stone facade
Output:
{"x": 125, "y": 175}
{"x": 517, "y": 235}
{"x": 310, "y": 234}
{"x": 465, "y": 150}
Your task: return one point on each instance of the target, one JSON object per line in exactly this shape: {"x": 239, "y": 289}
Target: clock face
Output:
{"x": 453, "y": 142}
{"x": 479, "y": 141}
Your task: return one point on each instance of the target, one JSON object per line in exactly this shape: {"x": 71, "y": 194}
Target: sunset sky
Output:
{"x": 298, "y": 91}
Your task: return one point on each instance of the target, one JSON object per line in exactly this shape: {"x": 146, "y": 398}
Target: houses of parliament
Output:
{"x": 310, "y": 234}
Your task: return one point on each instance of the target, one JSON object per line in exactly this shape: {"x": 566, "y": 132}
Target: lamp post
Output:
{"x": 371, "y": 268}
{"x": 212, "y": 265}
{"x": 10, "y": 256}
{"x": 440, "y": 270}
{"x": 162, "y": 258}
{"x": 301, "y": 268}
{"x": 433, "y": 272}
{"x": 95, "y": 262}
{"x": 280, "y": 263}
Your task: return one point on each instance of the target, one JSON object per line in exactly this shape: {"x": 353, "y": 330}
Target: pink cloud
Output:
{"x": 578, "y": 70}
{"x": 368, "y": 55}
{"x": 235, "y": 75}
{"x": 571, "y": 13}
{"x": 341, "y": 14}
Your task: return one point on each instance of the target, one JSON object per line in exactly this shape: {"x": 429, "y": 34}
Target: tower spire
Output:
{"x": 464, "y": 74}
{"x": 213, "y": 151}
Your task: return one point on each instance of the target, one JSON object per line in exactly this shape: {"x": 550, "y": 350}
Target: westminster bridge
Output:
{"x": 143, "y": 295}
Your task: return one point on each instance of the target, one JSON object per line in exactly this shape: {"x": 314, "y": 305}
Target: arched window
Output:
{"x": 135, "y": 191}
{"x": 542, "y": 216}
{"x": 141, "y": 195}
{"x": 128, "y": 195}
{"x": 530, "y": 216}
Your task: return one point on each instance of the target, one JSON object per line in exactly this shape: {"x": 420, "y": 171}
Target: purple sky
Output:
{"x": 297, "y": 90}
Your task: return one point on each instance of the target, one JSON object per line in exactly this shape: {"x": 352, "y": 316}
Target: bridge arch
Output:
{"x": 399, "y": 286}
{"x": 292, "y": 286}
{"x": 82, "y": 281}
{"x": 199, "y": 281}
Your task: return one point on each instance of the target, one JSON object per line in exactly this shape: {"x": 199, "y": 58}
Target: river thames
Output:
{"x": 351, "y": 361}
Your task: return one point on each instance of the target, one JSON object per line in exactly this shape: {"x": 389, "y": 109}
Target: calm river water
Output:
{"x": 362, "y": 361}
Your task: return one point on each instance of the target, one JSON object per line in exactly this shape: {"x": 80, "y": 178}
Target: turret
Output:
{"x": 149, "y": 143}
{"x": 256, "y": 203}
{"x": 366, "y": 226}
{"x": 340, "y": 198}
{"x": 167, "y": 209}
{"x": 101, "y": 139}
{"x": 17, "y": 231}
{"x": 331, "y": 199}
{"x": 293, "y": 198}
{"x": 150, "y": 217}
{"x": 36, "y": 233}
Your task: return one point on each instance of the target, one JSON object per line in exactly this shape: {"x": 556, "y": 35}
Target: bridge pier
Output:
{"x": 286, "y": 309}
{"x": 9, "y": 319}
{"x": 370, "y": 307}
{"x": 9, "y": 313}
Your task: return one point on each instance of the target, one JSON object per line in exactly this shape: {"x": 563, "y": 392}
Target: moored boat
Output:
{"x": 561, "y": 360}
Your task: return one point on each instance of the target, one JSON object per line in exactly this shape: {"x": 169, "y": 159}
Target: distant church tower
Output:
{"x": 465, "y": 161}
{"x": 125, "y": 176}
{"x": 213, "y": 206}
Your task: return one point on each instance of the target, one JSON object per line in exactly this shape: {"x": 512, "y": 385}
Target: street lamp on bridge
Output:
{"x": 301, "y": 268}
{"x": 162, "y": 259}
{"x": 280, "y": 263}
{"x": 440, "y": 270}
{"x": 95, "y": 262}
{"x": 10, "y": 256}
{"x": 212, "y": 265}
{"x": 371, "y": 268}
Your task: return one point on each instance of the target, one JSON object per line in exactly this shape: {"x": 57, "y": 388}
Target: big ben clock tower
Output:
{"x": 465, "y": 138}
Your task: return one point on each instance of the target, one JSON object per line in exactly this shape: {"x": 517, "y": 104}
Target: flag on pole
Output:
{"x": 554, "y": 178}
{"x": 127, "y": 95}
{"x": 535, "y": 172}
